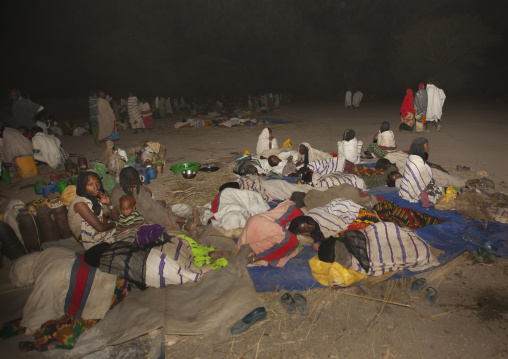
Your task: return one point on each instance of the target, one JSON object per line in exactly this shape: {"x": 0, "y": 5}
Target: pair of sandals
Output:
{"x": 293, "y": 302}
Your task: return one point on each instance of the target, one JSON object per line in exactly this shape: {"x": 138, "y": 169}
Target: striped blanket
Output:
{"x": 169, "y": 262}
{"x": 134, "y": 113}
{"x": 391, "y": 248}
{"x": 328, "y": 165}
{"x": 257, "y": 186}
{"x": 336, "y": 179}
{"x": 417, "y": 175}
{"x": 336, "y": 216}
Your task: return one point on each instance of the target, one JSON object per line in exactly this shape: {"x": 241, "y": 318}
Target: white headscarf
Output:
{"x": 264, "y": 142}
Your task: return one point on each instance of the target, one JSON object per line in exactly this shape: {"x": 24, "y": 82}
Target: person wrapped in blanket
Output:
{"x": 383, "y": 142}
{"x": 407, "y": 113}
{"x": 350, "y": 147}
{"x": 329, "y": 172}
{"x": 270, "y": 237}
{"x": 378, "y": 249}
{"x": 167, "y": 260}
{"x": 68, "y": 297}
{"x": 420, "y": 181}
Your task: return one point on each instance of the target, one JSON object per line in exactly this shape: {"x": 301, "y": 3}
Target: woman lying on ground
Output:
{"x": 378, "y": 249}
{"x": 271, "y": 236}
{"x": 349, "y": 148}
{"x": 154, "y": 211}
{"x": 383, "y": 142}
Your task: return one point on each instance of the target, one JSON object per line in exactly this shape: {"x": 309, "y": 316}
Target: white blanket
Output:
{"x": 236, "y": 206}
{"x": 436, "y": 98}
{"x": 47, "y": 149}
{"x": 417, "y": 175}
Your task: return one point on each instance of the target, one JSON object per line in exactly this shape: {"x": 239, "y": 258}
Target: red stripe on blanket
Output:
{"x": 79, "y": 289}
{"x": 282, "y": 251}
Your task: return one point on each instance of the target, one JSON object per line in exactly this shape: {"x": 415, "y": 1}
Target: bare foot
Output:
{"x": 242, "y": 259}
{"x": 220, "y": 254}
{"x": 193, "y": 224}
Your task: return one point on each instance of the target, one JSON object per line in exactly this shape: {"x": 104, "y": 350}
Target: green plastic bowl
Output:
{"x": 179, "y": 167}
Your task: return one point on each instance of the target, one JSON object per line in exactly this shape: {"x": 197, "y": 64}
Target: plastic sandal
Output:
{"x": 430, "y": 296}
{"x": 246, "y": 322}
{"x": 288, "y": 303}
{"x": 301, "y": 304}
{"x": 418, "y": 285}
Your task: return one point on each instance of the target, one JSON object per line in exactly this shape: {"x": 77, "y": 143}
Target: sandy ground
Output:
{"x": 470, "y": 316}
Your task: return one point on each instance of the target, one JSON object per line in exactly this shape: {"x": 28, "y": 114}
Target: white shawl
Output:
{"x": 436, "y": 98}
{"x": 314, "y": 154}
{"x": 264, "y": 142}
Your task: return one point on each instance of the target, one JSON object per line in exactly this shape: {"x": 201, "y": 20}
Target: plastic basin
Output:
{"x": 179, "y": 167}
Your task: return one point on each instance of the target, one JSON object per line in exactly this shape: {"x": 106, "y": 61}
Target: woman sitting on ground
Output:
{"x": 90, "y": 210}
{"x": 421, "y": 182}
{"x": 407, "y": 113}
{"x": 384, "y": 142}
{"x": 307, "y": 154}
{"x": 154, "y": 211}
{"x": 271, "y": 236}
{"x": 266, "y": 141}
{"x": 349, "y": 147}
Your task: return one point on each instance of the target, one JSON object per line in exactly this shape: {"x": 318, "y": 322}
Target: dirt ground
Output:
{"x": 470, "y": 316}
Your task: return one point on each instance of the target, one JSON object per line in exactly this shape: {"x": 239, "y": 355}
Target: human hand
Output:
{"x": 104, "y": 199}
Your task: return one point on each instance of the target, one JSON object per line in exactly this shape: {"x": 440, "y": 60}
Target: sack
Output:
{"x": 287, "y": 144}
{"x": 246, "y": 166}
{"x": 449, "y": 196}
{"x": 419, "y": 126}
{"x": 333, "y": 274}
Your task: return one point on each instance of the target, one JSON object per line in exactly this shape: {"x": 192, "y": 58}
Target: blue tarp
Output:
{"x": 296, "y": 275}
{"x": 274, "y": 120}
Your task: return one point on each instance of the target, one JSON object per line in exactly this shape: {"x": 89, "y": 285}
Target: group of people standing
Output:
{"x": 105, "y": 113}
{"x": 424, "y": 110}
{"x": 353, "y": 101}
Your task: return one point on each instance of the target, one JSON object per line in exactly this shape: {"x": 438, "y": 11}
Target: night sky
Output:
{"x": 222, "y": 48}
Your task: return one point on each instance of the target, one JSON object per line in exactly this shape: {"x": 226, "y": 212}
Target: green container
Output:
{"x": 61, "y": 185}
{"x": 180, "y": 167}
{"x": 38, "y": 187}
{"x": 6, "y": 175}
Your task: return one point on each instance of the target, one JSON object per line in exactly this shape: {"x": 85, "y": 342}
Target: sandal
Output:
{"x": 246, "y": 322}
{"x": 288, "y": 303}
{"x": 301, "y": 304}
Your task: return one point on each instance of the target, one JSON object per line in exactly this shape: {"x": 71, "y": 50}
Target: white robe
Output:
{"x": 436, "y": 98}
{"x": 357, "y": 98}
{"x": 351, "y": 150}
{"x": 348, "y": 99}
{"x": 236, "y": 206}
{"x": 264, "y": 142}
{"x": 47, "y": 149}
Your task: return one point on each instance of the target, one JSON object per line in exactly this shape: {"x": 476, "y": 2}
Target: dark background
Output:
{"x": 312, "y": 49}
